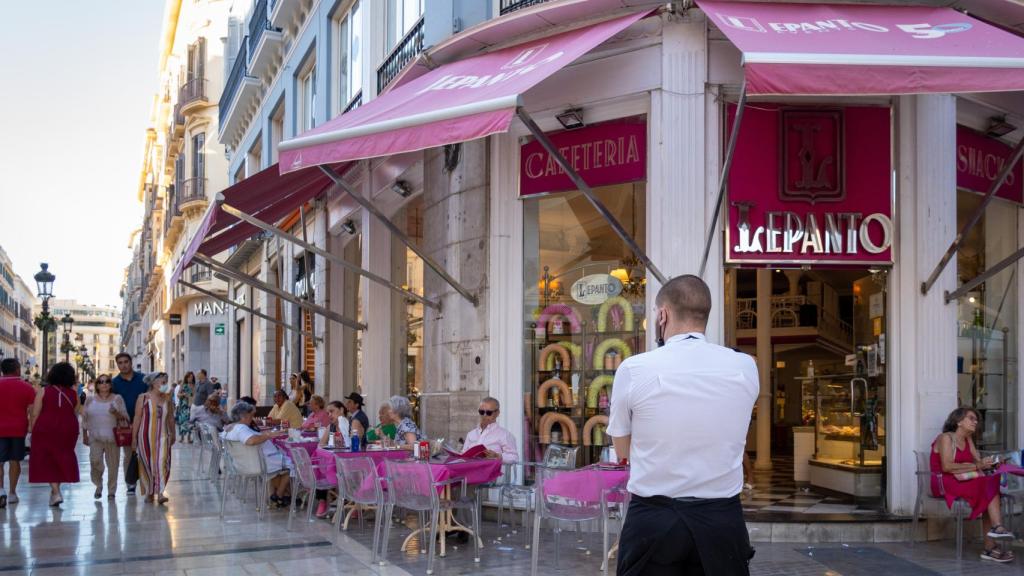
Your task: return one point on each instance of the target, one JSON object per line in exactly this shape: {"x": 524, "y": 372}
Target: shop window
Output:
{"x": 987, "y": 327}
{"x": 584, "y": 306}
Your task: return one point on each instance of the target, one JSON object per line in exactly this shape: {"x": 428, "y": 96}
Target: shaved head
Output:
{"x": 689, "y": 299}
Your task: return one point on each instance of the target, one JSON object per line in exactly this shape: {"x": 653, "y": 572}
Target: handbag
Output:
{"x": 123, "y": 436}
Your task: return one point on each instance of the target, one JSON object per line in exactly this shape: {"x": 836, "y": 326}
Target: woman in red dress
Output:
{"x": 953, "y": 454}
{"x": 54, "y": 426}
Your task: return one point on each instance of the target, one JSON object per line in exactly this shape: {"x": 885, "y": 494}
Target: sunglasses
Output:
{"x": 103, "y": 381}
{"x": 487, "y": 412}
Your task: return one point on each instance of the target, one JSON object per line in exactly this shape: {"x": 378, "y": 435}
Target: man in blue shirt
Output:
{"x": 129, "y": 385}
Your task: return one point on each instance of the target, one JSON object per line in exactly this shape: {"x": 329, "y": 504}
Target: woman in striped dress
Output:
{"x": 153, "y": 436}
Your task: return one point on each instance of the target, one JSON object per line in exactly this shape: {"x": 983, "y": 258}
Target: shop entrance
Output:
{"x": 828, "y": 382}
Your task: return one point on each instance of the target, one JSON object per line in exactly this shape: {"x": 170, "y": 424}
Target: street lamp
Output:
{"x": 68, "y": 322}
{"x": 44, "y": 288}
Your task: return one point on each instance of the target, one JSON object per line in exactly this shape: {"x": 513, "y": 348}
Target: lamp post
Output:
{"x": 44, "y": 289}
{"x": 68, "y": 322}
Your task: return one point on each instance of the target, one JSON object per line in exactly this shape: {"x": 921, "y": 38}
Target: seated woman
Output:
{"x": 240, "y": 430}
{"x": 386, "y": 428}
{"x": 318, "y": 415}
{"x": 953, "y": 453}
{"x": 339, "y": 425}
{"x": 210, "y": 413}
{"x": 407, "y": 433}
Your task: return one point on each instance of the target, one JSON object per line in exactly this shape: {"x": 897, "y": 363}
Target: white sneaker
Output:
{"x": 13, "y": 499}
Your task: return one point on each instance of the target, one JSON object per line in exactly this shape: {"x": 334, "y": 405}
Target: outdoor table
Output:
{"x": 584, "y": 486}
{"x": 327, "y": 468}
{"x": 285, "y": 445}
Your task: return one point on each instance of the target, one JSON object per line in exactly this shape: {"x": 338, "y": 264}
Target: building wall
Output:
{"x": 95, "y": 327}
{"x": 17, "y": 331}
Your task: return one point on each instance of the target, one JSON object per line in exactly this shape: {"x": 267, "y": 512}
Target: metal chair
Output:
{"x": 556, "y": 456}
{"x": 359, "y": 482}
{"x": 204, "y": 447}
{"x": 246, "y": 464}
{"x": 305, "y": 482}
{"x": 614, "y": 503}
{"x": 565, "y": 496}
{"x": 411, "y": 485}
{"x": 1012, "y": 488}
{"x": 213, "y": 439}
{"x": 960, "y": 510}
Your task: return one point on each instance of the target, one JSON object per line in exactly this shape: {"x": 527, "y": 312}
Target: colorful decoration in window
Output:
{"x": 613, "y": 350}
{"x": 593, "y": 430}
{"x": 617, "y": 314}
{"x": 552, "y": 317}
{"x": 568, "y": 427}
{"x": 602, "y": 382}
{"x": 562, "y": 393}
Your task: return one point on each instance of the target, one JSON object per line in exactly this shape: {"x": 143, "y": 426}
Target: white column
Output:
{"x": 922, "y": 348}
{"x": 680, "y": 159}
{"x": 377, "y": 311}
{"x": 764, "y": 367}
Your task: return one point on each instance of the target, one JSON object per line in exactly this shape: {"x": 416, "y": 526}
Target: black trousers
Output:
{"x": 663, "y": 536}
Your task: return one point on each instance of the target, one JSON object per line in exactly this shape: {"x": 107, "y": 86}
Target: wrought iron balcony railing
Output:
{"x": 259, "y": 22}
{"x": 403, "y": 53}
{"x": 508, "y": 6}
{"x": 354, "y": 103}
{"x": 234, "y": 81}
{"x": 192, "y": 190}
{"x": 200, "y": 274}
{"x": 192, "y": 91}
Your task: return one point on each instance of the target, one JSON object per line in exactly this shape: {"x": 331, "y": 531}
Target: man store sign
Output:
{"x": 811, "y": 186}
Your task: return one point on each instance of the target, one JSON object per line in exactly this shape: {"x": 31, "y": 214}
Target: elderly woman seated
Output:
{"x": 240, "y": 430}
{"x": 407, "y": 433}
{"x": 318, "y": 415}
{"x": 210, "y": 413}
{"x": 386, "y": 428}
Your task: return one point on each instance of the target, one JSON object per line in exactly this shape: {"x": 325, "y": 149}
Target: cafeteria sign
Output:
{"x": 811, "y": 186}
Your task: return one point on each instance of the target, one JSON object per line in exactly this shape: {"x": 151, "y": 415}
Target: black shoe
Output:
{"x": 458, "y": 535}
{"x": 131, "y": 490}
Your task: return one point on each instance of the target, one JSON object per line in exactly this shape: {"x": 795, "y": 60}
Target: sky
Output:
{"x": 78, "y": 84}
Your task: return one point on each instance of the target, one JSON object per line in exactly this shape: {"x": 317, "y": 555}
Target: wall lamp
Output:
{"x": 571, "y": 118}
{"x": 349, "y": 226}
{"x": 402, "y": 188}
{"x": 999, "y": 127}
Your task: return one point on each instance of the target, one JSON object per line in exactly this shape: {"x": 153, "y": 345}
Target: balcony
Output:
{"x": 191, "y": 94}
{"x": 239, "y": 90}
{"x": 356, "y": 102}
{"x": 199, "y": 274}
{"x": 173, "y": 222}
{"x": 193, "y": 193}
{"x": 509, "y": 6}
{"x": 264, "y": 39}
{"x": 6, "y": 334}
{"x": 282, "y": 12}
{"x": 27, "y": 340}
{"x": 407, "y": 49}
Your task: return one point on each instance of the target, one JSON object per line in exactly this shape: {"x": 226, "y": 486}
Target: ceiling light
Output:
{"x": 571, "y": 118}
{"x": 402, "y": 188}
{"x": 999, "y": 127}
{"x": 349, "y": 226}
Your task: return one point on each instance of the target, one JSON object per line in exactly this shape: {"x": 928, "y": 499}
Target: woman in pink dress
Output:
{"x": 153, "y": 435}
{"x": 953, "y": 454}
{"x": 54, "y": 426}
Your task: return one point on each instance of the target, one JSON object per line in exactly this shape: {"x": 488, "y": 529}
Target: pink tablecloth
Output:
{"x": 327, "y": 469}
{"x": 584, "y": 485}
{"x": 310, "y": 446}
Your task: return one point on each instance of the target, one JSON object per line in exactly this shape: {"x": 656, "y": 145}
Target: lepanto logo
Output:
{"x": 524, "y": 62}
{"x": 297, "y": 161}
{"x": 920, "y": 31}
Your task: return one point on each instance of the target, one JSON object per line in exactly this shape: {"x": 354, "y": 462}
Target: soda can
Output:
{"x": 424, "y": 449}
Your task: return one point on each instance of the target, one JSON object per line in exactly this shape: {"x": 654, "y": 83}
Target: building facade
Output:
{"x": 549, "y": 297}
{"x": 94, "y": 338}
{"x": 17, "y": 331}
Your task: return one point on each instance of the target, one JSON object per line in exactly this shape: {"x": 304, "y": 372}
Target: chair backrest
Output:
{"x": 925, "y": 474}
{"x": 212, "y": 435}
{"x": 569, "y": 494}
{"x": 560, "y": 457}
{"x": 201, "y": 433}
{"x": 245, "y": 460}
{"x": 411, "y": 484}
{"x": 303, "y": 466}
{"x": 359, "y": 480}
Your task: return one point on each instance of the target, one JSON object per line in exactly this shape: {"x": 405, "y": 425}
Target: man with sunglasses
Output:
{"x": 499, "y": 442}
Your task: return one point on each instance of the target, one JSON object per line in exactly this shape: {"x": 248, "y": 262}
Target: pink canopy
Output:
{"x": 455, "y": 102}
{"x": 845, "y": 49}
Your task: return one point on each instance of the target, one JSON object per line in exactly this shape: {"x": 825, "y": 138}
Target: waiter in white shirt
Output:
{"x": 679, "y": 414}
{"x": 498, "y": 441}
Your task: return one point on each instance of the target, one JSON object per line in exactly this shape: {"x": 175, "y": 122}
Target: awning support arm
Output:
{"x": 723, "y": 178}
{"x": 245, "y": 308}
{"x": 333, "y": 258}
{"x": 246, "y": 279}
{"x": 397, "y": 232}
{"x": 981, "y": 278}
{"x": 582, "y": 186}
{"x": 1015, "y": 156}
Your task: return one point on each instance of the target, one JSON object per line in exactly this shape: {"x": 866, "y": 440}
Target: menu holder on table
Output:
{"x": 470, "y": 454}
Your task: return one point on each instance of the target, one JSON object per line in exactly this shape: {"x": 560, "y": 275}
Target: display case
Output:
{"x": 983, "y": 382}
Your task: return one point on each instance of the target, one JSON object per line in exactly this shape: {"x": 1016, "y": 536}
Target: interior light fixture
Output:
{"x": 620, "y": 274}
{"x": 349, "y": 226}
{"x": 402, "y": 188}
{"x": 999, "y": 127}
{"x": 571, "y": 118}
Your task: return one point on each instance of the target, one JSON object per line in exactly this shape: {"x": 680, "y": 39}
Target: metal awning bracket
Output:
{"x": 723, "y": 178}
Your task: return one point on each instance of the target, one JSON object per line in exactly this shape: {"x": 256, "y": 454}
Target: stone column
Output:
{"x": 922, "y": 347}
{"x": 764, "y": 369}
{"x": 377, "y": 368}
{"x": 455, "y": 227}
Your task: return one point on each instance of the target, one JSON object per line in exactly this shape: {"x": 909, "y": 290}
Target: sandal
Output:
{"x": 995, "y": 555}
{"x": 999, "y": 532}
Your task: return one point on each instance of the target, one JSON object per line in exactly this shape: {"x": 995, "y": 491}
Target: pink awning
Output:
{"x": 267, "y": 195}
{"x": 455, "y": 102}
{"x": 845, "y": 49}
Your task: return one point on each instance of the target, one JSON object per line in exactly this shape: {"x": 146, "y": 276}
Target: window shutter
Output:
{"x": 201, "y": 58}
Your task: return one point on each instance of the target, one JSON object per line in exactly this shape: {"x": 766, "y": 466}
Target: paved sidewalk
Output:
{"x": 187, "y": 538}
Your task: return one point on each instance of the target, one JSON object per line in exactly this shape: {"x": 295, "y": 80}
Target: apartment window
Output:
{"x": 350, "y": 58}
{"x": 276, "y": 130}
{"x": 197, "y": 60}
{"x": 307, "y": 98}
{"x": 254, "y": 159}
{"x": 401, "y": 16}
{"x": 199, "y": 155}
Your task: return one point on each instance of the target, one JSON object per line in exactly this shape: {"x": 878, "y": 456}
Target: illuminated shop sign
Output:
{"x": 811, "y": 186}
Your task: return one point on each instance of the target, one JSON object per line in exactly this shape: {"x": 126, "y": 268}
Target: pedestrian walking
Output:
{"x": 16, "y": 399}
{"x": 54, "y": 426}
{"x": 153, "y": 436}
{"x": 129, "y": 386}
{"x": 104, "y": 411}
{"x": 183, "y": 395}
{"x": 679, "y": 415}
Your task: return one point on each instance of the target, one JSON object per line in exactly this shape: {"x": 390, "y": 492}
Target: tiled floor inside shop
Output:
{"x": 188, "y": 538}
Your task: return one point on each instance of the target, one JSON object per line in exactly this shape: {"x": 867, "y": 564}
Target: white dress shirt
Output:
{"x": 686, "y": 407}
{"x": 496, "y": 439}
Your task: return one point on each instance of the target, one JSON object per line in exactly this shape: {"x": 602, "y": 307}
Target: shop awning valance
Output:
{"x": 844, "y": 49}
{"x": 456, "y": 102}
